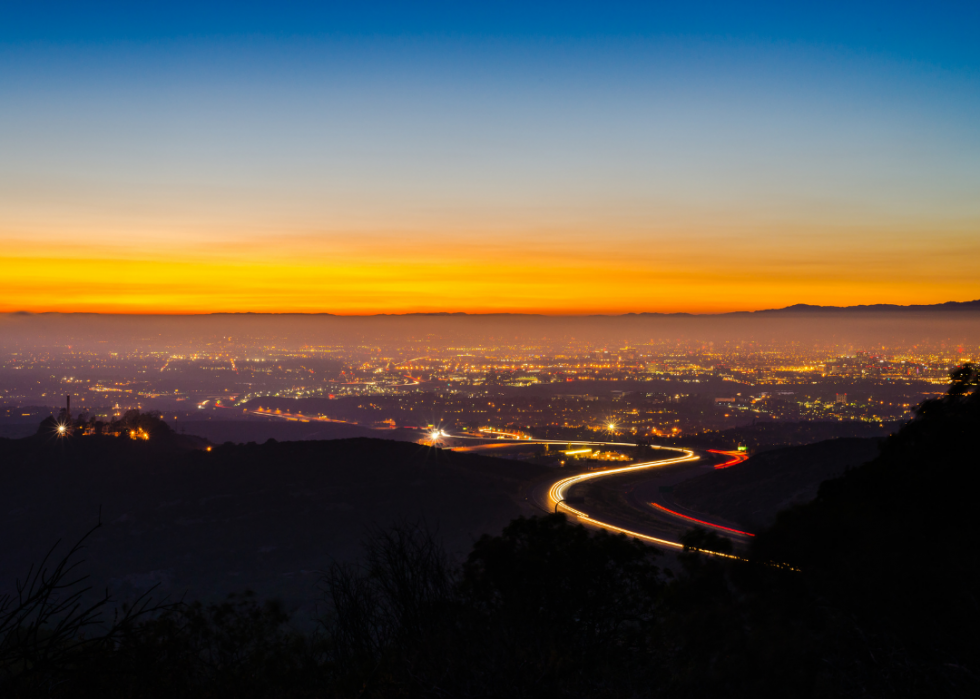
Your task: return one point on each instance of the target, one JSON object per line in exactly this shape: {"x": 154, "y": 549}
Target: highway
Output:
{"x": 553, "y": 495}
{"x": 558, "y": 491}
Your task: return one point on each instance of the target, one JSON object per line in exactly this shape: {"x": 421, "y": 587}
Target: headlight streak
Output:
{"x": 556, "y": 494}
{"x": 549, "y": 441}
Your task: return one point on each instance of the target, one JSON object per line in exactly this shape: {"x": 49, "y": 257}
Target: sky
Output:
{"x": 564, "y": 158}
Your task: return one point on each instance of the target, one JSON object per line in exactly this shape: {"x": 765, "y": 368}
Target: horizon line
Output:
{"x": 799, "y": 307}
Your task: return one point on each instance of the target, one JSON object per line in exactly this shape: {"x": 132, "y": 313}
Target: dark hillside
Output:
{"x": 752, "y": 492}
{"x": 893, "y": 542}
{"x": 264, "y": 517}
{"x": 764, "y": 436}
{"x": 243, "y": 431}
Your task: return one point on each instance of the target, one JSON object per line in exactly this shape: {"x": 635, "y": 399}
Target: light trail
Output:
{"x": 297, "y": 417}
{"x": 700, "y": 521}
{"x": 503, "y": 434}
{"x": 530, "y": 440}
{"x": 737, "y": 457}
{"x": 556, "y": 494}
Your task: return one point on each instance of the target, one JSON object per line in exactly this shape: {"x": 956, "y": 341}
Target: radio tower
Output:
{"x": 63, "y": 426}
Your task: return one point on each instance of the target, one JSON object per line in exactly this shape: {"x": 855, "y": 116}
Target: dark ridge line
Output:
{"x": 799, "y": 308}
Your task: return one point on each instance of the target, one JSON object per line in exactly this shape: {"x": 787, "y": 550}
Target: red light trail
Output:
{"x": 700, "y": 521}
{"x": 737, "y": 457}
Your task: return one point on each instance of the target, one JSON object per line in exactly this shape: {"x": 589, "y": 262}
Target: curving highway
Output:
{"x": 557, "y": 493}
{"x": 553, "y": 495}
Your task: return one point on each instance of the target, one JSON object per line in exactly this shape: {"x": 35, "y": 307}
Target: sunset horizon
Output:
{"x": 572, "y": 313}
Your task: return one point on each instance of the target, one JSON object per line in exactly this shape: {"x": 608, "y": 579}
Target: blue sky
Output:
{"x": 826, "y": 151}
{"x": 938, "y": 33}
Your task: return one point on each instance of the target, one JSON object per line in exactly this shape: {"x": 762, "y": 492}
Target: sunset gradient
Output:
{"x": 463, "y": 164}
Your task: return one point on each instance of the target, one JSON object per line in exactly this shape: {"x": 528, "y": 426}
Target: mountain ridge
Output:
{"x": 798, "y": 308}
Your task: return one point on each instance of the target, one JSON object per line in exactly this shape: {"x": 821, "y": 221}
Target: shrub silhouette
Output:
{"x": 544, "y": 609}
{"x": 51, "y": 627}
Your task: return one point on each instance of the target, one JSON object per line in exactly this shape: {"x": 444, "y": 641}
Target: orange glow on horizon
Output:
{"x": 523, "y": 269}
{"x": 44, "y": 284}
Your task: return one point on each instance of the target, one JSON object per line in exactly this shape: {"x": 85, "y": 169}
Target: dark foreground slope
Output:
{"x": 264, "y": 517}
{"x": 753, "y": 492}
{"x": 869, "y": 591}
{"x": 892, "y": 544}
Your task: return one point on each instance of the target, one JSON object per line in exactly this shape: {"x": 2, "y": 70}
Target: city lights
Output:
{"x": 520, "y": 389}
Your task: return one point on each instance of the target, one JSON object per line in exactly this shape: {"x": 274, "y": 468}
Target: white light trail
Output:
{"x": 556, "y": 495}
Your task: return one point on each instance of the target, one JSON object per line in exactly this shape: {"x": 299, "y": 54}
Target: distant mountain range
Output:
{"x": 798, "y": 308}
{"x": 804, "y": 308}
{"x": 879, "y": 307}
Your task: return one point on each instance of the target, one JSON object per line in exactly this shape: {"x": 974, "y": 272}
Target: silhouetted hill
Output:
{"x": 753, "y": 492}
{"x": 264, "y": 517}
{"x": 893, "y": 542}
{"x": 879, "y": 308}
{"x": 244, "y": 431}
{"x": 773, "y": 434}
